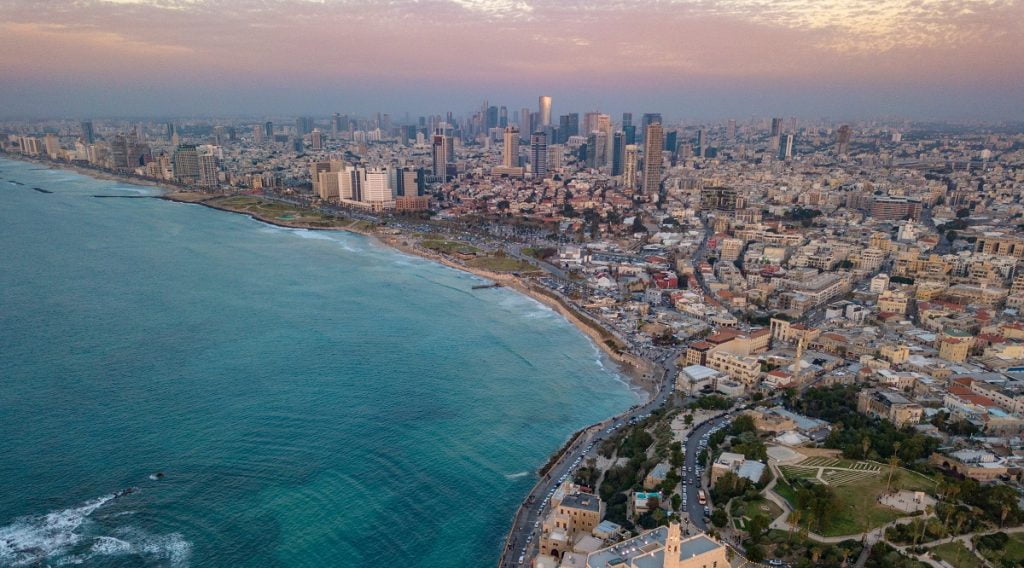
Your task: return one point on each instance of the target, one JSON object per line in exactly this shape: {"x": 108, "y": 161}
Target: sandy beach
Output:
{"x": 641, "y": 373}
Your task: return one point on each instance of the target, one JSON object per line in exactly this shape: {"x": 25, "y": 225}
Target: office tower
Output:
{"x": 627, "y": 120}
{"x": 298, "y": 145}
{"x": 510, "y": 152}
{"x": 630, "y": 133}
{"x": 555, "y": 157}
{"x": 303, "y": 125}
{"x": 524, "y": 121}
{"x": 786, "y": 148}
{"x": 208, "y": 170}
{"x": 702, "y": 143}
{"x": 590, "y": 122}
{"x": 648, "y": 119}
{"x": 376, "y": 186}
{"x": 88, "y": 135}
{"x": 170, "y": 130}
{"x": 316, "y": 140}
{"x": 439, "y": 153}
{"x": 629, "y": 166}
{"x": 316, "y": 169}
{"x": 409, "y": 182}
{"x": 258, "y": 134}
{"x": 654, "y": 137}
{"x": 604, "y": 126}
{"x": 568, "y": 125}
{"x": 671, "y": 141}
{"x": 618, "y": 152}
{"x": 597, "y": 144}
{"x": 185, "y": 163}
{"x": 502, "y": 117}
{"x": 539, "y": 154}
{"x": 492, "y": 117}
{"x": 730, "y": 130}
{"x": 843, "y": 140}
{"x": 268, "y": 130}
{"x": 544, "y": 110}
{"x": 776, "y": 127}
{"x": 119, "y": 151}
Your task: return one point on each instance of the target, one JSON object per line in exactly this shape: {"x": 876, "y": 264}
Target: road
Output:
{"x": 692, "y": 507}
{"x": 521, "y": 542}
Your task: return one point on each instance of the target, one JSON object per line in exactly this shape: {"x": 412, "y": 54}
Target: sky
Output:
{"x": 689, "y": 59}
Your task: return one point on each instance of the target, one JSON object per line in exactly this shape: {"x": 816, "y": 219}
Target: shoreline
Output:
{"x": 639, "y": 372}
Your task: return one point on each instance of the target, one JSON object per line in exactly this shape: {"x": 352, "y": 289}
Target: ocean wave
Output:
{"x": 68, "y": 537}
{"x": 517, "y": 475}
{"x": 31, "y": 539}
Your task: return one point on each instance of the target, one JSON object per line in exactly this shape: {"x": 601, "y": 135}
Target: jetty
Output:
{"x": 485, "y": 286}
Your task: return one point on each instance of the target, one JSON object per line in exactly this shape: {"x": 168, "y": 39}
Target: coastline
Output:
{"x": 640, "y": 373}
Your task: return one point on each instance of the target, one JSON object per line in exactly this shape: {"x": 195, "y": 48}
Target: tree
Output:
{"x": 756, "y": 528}
{"x": 893, "y": 461}
{"x": 719, "y": 518}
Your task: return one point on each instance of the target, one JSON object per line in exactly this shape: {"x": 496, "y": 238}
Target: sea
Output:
{"x": 181, "y": 386}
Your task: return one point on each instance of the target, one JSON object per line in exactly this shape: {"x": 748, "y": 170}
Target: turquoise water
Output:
{"x": 313, "y": 398}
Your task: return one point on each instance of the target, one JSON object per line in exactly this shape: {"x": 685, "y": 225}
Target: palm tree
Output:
{"x": 893, "y": 461}
{"x": 794, "y": 522}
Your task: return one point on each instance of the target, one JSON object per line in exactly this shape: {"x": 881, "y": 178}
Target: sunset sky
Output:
{"x": 685, "y": 58}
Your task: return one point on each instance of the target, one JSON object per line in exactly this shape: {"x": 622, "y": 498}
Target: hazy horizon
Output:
{"x": 695, "y": 59}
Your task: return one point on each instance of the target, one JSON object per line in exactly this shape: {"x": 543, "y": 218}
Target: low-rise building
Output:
{"x": 889, "y": 405}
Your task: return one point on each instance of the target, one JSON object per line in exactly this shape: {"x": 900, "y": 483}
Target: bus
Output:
{"x": 701, "y": 497}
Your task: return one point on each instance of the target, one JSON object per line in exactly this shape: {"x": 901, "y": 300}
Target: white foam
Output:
{"x": 517, "y": 475}
{"x": 29, "y": 539}
{"x": 53, "y": 537}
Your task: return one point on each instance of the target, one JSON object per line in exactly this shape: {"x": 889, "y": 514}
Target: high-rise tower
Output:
{"x": 654, "y": 140}
{"x": 544, "y": 110}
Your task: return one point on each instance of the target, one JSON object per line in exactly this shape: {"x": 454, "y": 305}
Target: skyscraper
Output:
{"x": 88, "y": 135}
{"x": 632, "y": 157}
{"x": 776, "y": 127}
{"x": 702, "y": 142}
{"x": 786, "y": 148}
{"x": 730, "y": 130}
{"x": 648, "y": 119}
{"x": 510, "y": 152}
{"x": 618, "y": 152}
{"x": 539, "y": 154}
{"x": 185, "y": 163}
{"x": 492, "y": 117}
{"x": 303, "y": 125}
{"x": 316, "y": 140}
{"x": 439, "y": 153}
{"x": 654, "y": 138}
{"x": 544, "y": 110}
{"x": 268, "y": 129}
{"x": 671, "y": 142}
{"x": 524, "y": 121}
{"x": 843, "y": 140}
{"x": 208, "y": 170}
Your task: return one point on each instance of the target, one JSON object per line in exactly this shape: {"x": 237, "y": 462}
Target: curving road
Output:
{"x": 521, "y": 542}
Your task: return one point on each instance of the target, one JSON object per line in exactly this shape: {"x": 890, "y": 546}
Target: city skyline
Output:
{"x": 930, "y": 59}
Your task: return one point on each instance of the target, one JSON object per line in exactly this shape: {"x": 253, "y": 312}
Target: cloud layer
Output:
{"x": 593, "y": 50}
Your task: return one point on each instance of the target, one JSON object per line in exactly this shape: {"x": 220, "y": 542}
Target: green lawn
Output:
{"x": 1011, "y": 555}
{"x": 759, "y": 507}
{"x": 858, "y": 509}
{"x": 956, "y": 554}
{"x": 449, "y": 247}
{"x": 500, "y": 264}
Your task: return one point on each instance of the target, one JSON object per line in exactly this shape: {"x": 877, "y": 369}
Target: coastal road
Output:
{"x": 521, "y": 542}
